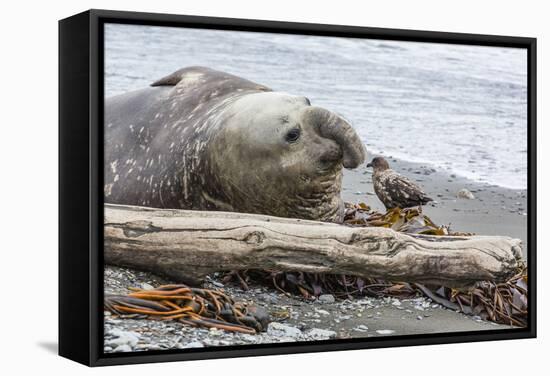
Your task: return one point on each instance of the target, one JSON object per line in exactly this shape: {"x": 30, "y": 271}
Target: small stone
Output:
{"x": 217, "y": 284}
{"x": 123, "y": 348}
{"x": 322, "y": 312}
{"x": 465, "y": 194}
{"x": 326, "y": 299}
{"x": 320, "y": 334}
{"x": 249, "y": 337}
{"x": 192, "y": 345}
{"x": 146, "y": 286}
{"x": 385, "y": 331}
{"x": 361, "y": 328}
{"x": 269, "y": 298}
{"x": 122, "y": 338}
{"x": 419, "y": 317}
{"x": 277, "y": 329}
{"x": 215, "y": 332}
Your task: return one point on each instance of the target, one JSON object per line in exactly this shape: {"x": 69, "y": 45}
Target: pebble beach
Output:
{"x": 294, "y": 319}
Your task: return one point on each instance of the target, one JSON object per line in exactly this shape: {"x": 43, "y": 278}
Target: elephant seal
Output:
{"x": 207, "y": 140}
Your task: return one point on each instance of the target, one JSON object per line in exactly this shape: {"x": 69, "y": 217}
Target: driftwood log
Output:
{"x": 186, "y": 245}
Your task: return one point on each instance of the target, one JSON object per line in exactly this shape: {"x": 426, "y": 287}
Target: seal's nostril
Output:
{"x": 328, "y": 161}
{"x": 331, "y": 156}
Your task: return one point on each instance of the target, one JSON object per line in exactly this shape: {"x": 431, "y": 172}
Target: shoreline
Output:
{"x": 494, "y": 210}
{"x": 441, "y": 166}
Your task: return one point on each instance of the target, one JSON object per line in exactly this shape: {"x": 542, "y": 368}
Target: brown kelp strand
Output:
{"x": 504, "y": 303}
{"x": 192, "y": 306}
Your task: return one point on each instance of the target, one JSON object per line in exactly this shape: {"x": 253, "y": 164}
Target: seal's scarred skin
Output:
{"x": 207, "y": 140}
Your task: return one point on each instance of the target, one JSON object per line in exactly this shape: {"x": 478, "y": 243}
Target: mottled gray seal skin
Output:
{"x": 207, "y": 140}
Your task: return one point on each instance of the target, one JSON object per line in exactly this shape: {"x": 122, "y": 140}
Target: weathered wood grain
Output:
{"x": 186, "y": 245}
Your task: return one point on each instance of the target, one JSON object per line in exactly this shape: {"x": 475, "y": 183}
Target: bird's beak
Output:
{"x": 369, "y": 164}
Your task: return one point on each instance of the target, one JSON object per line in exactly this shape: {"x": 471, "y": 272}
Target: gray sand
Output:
{"x": 493, "y": 211}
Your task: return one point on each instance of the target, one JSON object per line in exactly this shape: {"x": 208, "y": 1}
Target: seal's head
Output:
{"x": 279, "y": 155}
{"x": 379, "y": 164}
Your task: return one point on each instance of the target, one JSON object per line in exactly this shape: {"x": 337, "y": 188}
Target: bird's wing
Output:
{"x": 402, "y": 189}
{"x": 381, "y": 190}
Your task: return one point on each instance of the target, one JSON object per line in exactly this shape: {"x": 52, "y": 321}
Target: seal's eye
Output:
{"x": 293, "y": 135}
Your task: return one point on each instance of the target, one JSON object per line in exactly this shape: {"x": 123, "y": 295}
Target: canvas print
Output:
{"x": 265, "y": 188}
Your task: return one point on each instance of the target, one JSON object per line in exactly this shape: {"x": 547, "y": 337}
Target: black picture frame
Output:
{"x": 81, "y": 188}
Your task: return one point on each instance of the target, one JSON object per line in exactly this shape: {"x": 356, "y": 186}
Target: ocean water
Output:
{"x": 458, "y": 108}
